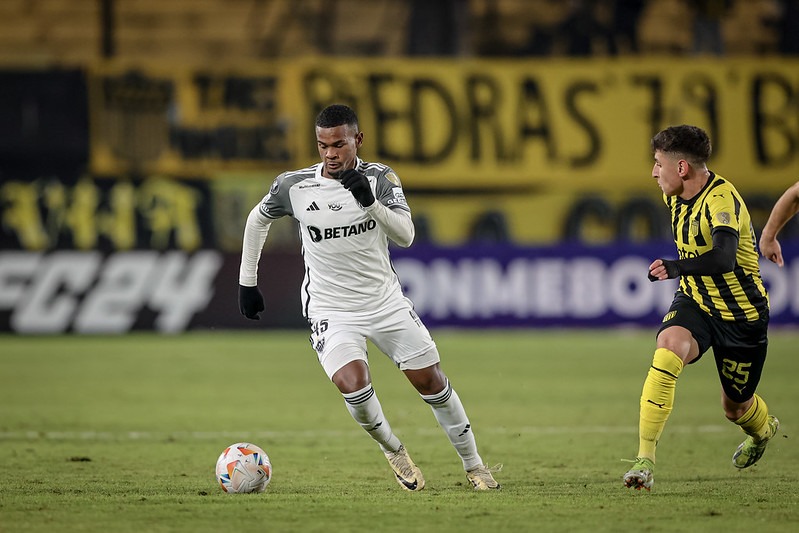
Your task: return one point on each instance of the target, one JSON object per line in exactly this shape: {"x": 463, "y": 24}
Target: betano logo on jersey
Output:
{"x": 339, "y": 232}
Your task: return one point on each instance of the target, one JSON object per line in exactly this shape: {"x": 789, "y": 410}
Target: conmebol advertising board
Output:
{"x": 471, "y": 286}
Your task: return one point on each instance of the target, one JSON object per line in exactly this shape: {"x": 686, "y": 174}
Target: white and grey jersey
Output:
{"x": 347, "y": 264}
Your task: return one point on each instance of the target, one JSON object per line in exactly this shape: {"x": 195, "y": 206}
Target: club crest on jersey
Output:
{"x": 724, "y": 218}
{"x": 393, "y": 178}
{"x": 694, "y": 228}
{"x": 334, "y": 207}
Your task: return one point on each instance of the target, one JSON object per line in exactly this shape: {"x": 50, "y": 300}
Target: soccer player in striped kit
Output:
{"x": 347, "y": 211}
{"x": 721, "y": 302}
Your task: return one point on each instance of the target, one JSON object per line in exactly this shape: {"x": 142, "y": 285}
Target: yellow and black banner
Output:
{"x": 464, "y": 124}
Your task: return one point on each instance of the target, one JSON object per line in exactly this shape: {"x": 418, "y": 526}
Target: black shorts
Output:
{"x": 738, "y": 347}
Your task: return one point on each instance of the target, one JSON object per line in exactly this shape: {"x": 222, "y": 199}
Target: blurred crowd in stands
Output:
{"x": 583, "y": 28}
{"x": 70, "y": 31}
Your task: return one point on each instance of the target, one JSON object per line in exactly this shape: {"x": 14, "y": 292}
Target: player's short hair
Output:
{"x": 689, "y": 141}
{"x": 337, "y": 115}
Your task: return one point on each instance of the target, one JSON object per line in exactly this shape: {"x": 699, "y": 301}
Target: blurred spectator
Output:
{"x": 626, "y": 15}
{"x": 437, "y": 28}
{"x": 582, "y": 33}
{"x": 708, "y": 15}
{"x": 490, "y": 41}
{"x": 666, "y": 28}
{"x": 789, "y": 28}
{"x": 517, "y": 27}
{"x": 752, "y": 27}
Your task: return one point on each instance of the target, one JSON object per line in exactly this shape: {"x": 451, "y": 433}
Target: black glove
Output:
{"x": 250, "y": 302}
{"x": 358, "y": 185}
{"x": 672, "y": 270}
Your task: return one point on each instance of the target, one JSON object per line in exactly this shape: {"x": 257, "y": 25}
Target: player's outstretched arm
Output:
{"x": 786, "y": 207}
{"x": 251, "y": 302}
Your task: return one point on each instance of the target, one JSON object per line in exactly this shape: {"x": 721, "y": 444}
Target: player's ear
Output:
{"x": 358, "y": 139}
{"x": 683, "y": 167}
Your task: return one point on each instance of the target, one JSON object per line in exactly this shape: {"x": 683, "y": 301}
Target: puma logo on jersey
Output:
{"x": 655, "y": 403}
{"x": 320, "y": 234}
{"x": 312, "y": 207}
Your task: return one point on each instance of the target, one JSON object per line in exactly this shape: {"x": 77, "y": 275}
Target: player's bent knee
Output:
{"x": 352, "y": 377}
{"x": 427, "y": 381}
{"x": 680, "y": 342}
{"x": 425, "y": 373}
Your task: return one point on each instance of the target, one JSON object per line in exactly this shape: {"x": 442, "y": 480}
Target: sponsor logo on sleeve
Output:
{"x": 398, "y": 197}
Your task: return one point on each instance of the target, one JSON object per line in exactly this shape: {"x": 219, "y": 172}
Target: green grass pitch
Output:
{"x": 121, "y": 434}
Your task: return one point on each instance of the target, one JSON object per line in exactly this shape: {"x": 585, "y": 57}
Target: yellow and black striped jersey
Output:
{"x": 738, "y": 295}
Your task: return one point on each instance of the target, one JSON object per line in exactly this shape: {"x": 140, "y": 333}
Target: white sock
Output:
{"x": 365, "y": 408}
{"x": 451, "y": 416}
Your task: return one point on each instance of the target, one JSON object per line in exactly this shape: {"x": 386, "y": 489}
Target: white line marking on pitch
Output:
{"x": 326, "y": 433}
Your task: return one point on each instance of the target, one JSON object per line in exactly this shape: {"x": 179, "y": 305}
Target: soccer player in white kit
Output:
{"x": 347, "y": 210}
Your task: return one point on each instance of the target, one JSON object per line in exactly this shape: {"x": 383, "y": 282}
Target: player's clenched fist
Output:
{"x": 250, "y": 302}
{"x": 358, "y": 185}
{"x": 670, "y": 268}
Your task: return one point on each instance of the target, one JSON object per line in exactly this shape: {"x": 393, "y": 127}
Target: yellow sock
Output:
{"x": 657, "y": 400}
{"x": 755, "y": 421}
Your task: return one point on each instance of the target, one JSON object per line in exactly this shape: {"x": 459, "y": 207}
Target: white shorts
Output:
{"x": 394, "y": 328}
